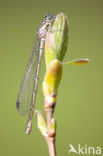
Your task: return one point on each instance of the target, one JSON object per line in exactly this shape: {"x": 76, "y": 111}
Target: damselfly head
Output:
{"x": 49, "y": 17}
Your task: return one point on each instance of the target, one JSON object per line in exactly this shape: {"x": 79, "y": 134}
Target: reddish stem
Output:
{"x": 50, "y": 140}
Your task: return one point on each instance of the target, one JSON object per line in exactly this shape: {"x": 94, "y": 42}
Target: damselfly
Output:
{"x": 27, "y": 94}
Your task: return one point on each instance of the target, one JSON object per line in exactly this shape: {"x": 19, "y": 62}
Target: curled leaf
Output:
{"x": 78, "y": 61}
{"x": 57, "y": 39}
{"x": 41, "y": 123}
{"x": 53, "y": 75}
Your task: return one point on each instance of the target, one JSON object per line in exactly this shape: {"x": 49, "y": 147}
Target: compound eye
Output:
{"x": 48, "y": 16}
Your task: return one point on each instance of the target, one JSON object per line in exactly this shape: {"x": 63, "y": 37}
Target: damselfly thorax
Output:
{"x": 45, "y": 26}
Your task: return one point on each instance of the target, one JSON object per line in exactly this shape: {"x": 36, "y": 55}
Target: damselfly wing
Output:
{"x": 24, "y": 99}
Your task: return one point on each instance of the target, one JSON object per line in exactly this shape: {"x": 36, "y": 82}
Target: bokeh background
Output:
{"x": 79, "y": 109}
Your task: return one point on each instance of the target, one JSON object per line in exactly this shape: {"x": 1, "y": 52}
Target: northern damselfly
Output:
{"x": 27, "y": 94}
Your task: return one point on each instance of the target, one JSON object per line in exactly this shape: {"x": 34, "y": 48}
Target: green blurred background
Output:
{"x": 79, "y": 109}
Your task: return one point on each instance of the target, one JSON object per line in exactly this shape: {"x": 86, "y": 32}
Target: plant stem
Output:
{"x": 51, "y": 146}
{"x": 50, "y": 138}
